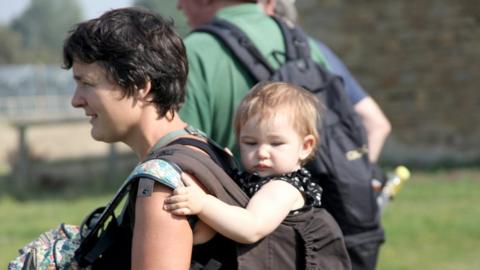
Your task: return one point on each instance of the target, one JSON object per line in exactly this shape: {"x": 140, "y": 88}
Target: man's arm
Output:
{"x": 376, "y": 125}
{"x": 160, "y": 240}
{"x": 374, "y": 120}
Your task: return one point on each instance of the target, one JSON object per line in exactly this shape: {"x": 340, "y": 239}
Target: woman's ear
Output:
{"x": 143, "y": 92}
{"x": 307, "y": 146}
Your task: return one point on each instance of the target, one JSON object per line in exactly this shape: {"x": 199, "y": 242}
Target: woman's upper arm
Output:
{"x": 160, "y": 240}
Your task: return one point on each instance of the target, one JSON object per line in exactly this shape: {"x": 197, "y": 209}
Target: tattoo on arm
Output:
{"x": 145, "y": 187}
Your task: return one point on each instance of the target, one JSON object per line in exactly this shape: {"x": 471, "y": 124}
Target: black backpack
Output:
{"x": 341, "y": 164}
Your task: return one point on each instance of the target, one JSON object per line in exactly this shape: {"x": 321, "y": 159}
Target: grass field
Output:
{"x": 434, "y": 223}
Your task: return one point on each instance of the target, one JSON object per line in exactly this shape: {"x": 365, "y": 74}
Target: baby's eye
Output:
{"x": 249, "y": 143}
{"x": 277, "y": 143}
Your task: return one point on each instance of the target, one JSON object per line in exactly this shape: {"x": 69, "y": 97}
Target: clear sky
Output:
{"x": 9, "y": 9}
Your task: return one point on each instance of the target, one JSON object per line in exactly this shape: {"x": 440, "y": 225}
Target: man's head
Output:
{"x": 136, "y": 48}
{"x": 282, "y": 8}
{"x": 199, "y": 12}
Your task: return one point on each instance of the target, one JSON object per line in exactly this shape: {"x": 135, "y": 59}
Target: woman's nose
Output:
{"x": 78, "y": 101}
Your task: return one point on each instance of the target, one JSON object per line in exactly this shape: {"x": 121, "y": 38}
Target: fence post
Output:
{"x": 23, "y": 162}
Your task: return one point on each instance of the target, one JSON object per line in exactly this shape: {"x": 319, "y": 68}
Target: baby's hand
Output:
{"x": 188, "y": 200}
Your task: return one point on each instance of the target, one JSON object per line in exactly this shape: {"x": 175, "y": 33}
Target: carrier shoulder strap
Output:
{"x": 211, "y": 169}
{"x": 206, "y": 170}
{"x": 214, "y": 151}
{"x": 210, "y": 174}
{"x": 245, "y": 51}
{"x": 90, "y": 249}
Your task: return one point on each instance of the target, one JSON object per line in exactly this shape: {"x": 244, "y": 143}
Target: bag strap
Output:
{"x": 211, "y": 173}
{"x": 206, "y": 170}
{"x": 216, "y": 153}
{"x": 245, "y": 51}
{"x": 212, "y": 148}
{"x": 295, "y": 40}
{"x": 241, "y": 46}
{"x": 148, "y": 169}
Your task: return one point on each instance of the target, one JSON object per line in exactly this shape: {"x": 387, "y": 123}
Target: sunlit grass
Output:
{"x": 434, "y": 223}
{"x": 21, "y": 222}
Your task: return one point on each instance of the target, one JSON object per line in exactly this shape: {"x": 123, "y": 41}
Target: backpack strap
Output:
{"x": 295, "y": 40}
{"x": 245, "y": 51}
{"x": 241, "y": 46}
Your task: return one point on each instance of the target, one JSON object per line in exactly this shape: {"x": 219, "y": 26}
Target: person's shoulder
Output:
{"x": 203, "y": 45}
{"x": 160, "y": 171}
{"x": 206, "y": 49}
{"x": 198, "y": 38}
{"x": 314, "y": 45}
{"x": 316, "y": 51}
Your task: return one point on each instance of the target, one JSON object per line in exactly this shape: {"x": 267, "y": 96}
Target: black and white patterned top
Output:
{"x": 301, "y": 179}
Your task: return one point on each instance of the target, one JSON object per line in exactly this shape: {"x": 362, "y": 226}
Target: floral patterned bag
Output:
{"x": 54, "y": 249}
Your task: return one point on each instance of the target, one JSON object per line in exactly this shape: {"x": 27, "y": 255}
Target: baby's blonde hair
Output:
{"x": 267, "y": 98}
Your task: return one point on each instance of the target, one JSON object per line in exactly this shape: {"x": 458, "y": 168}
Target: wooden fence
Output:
{"x": 27, "y": 112}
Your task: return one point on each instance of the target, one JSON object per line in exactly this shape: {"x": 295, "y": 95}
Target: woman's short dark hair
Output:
{"x": 135, "y": 46}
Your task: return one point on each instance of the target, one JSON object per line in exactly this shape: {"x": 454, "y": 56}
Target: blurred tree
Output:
{"x": 43, "y": 26}
{"x": 9, "y": 45}
{"x": 167, "y": 8}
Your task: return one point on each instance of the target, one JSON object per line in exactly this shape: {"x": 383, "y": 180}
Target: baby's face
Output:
{"x": 272, "y": 146}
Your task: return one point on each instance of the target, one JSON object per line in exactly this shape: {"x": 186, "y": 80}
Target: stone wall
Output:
{"x": 420, "y": 60}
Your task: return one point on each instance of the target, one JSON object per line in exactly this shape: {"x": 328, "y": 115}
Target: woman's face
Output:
{"x": 113, "y": 116}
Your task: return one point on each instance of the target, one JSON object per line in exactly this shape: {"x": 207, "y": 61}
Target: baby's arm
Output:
{"x": 186, "y": 200}
{"x": 191, "y": 195}
{"x": 265, "y": 211}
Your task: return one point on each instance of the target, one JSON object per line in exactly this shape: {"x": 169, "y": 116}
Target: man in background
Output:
{"x": 217, "y": 82}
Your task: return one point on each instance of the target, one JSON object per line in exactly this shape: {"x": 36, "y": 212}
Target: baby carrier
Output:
{"x": 283, "y": 249}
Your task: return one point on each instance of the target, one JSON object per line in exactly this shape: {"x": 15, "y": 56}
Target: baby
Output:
{"x": 276, "y": 129}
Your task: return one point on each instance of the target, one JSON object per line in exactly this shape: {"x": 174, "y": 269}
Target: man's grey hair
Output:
{"x": 286, "y": 9}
